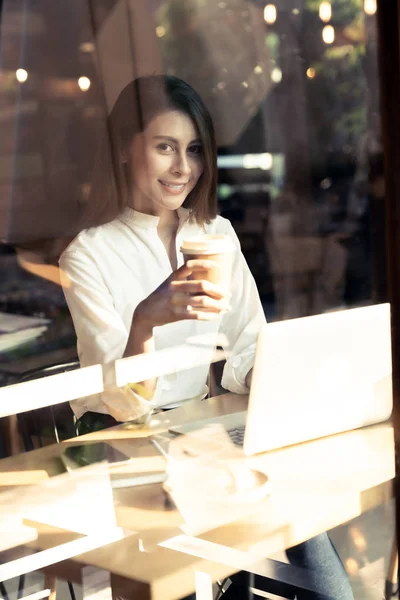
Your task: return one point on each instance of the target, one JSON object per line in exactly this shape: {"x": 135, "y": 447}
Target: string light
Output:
{"x": 328, "y": 34}
{"x": 21, "y": 75}
{"x": 270, "y": 14}
{"x": 160, "y": 31}
{"x": 87, "y": 47}
{"x": 370, "y": 7}
{"x": 84, "y": 83}
{"x": 276, "y": 75}
{"x": 310, "y": 73}
{"x": 325, "y": 11}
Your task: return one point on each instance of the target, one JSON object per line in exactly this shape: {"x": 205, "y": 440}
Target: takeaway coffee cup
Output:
{"x": 219, "y": 249}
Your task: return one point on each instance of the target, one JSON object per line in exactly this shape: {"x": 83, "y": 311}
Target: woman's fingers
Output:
{"x": 192, "y": 265}
{"x": 193, "y": 313}
{"x": 194, "y": 299}
{"x": 200, "y": 303}
{"x": 199, "y": 287}
{"x": 208, "y": 303}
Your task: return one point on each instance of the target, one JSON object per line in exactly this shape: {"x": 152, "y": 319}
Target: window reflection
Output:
{"x": 293, "y": 90}
{"x": 302, "y": 88}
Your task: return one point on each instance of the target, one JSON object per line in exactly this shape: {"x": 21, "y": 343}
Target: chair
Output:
{"x": 56, "y": 420}
{"x": 36, "y": 423}
{"x": 214, "y": 379}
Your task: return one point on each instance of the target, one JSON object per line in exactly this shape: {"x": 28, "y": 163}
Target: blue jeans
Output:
{"x": 325, "y": 571}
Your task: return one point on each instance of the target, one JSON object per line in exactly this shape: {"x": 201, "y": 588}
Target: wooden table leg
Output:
{"x": 50, "y": 583}
{"x": 391, "y": 578}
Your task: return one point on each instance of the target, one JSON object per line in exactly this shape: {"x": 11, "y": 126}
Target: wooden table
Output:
{"x": 315, "y": 486}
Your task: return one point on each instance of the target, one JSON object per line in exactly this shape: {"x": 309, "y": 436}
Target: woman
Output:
{"x": 124, "y": 278}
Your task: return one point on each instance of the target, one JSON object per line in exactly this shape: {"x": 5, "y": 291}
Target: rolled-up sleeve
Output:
{"x": 242, "y": 324}
{"x": 102, "y": 336}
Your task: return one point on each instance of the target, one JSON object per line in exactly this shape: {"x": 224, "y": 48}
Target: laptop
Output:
{"x": 314, "y": 376}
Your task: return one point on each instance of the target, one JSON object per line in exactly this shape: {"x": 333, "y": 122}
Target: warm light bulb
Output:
{"x": 160, "y": 31}
{"x": 370, "y": 7}
{"x": 21, "y": 75}
{"x": 310, "y": 73}
{"x": 328, "y": 34}
{"x": 87, "y": 47}
{"x": 276, "y": 75}
{"x": 325, "y": 11}
{"x": 270, "y": 13}
{"x": 84, "y": 83}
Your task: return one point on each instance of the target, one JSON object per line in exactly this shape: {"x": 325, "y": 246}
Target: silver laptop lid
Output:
{"x": 320, "y": 375}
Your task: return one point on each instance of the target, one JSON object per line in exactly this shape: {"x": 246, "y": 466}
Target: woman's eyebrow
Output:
{"x": 174, "y": 140}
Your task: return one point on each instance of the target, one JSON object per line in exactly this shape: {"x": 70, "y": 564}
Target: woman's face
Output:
{"x": 165, "y": 163}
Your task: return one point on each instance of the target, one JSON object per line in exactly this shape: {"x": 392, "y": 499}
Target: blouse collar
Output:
{"x": 134, "y": 218}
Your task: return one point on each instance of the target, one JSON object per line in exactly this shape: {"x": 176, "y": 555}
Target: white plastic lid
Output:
{"x": 208, "y": 244}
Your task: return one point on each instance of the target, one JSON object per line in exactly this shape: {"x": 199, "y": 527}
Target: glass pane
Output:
{"x": 300, "y": 155}
{"x": 293, "y": 92}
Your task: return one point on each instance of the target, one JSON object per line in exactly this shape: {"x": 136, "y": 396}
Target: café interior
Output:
{"x": 205, "y": 496}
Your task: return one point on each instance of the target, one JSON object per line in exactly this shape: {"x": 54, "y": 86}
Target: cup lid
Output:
{"x": 208, "y": 244}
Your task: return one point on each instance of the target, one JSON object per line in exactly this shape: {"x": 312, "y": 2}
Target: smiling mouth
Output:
{"x": 174, "y": 187}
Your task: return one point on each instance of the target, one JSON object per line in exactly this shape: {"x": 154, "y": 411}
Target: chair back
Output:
{"x": 51, "y": 422}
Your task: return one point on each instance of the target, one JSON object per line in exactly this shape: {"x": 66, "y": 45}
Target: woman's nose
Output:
{"x": 181, "y": 165}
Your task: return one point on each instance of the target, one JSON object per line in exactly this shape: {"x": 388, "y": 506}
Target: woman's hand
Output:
{"x": 178, "y": 298}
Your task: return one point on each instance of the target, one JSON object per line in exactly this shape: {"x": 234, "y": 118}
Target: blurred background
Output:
{"x": 294, "y": 92}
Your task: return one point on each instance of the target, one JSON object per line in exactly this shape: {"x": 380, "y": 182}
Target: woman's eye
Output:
{"x": 195, "y": 149}
{"x": 165, "y": 147}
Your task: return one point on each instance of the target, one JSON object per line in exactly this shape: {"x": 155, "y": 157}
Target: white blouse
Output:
{"x": 108, "y": 270}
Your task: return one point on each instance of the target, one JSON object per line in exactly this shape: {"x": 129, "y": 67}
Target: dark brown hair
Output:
{"x": 138, "y": 103}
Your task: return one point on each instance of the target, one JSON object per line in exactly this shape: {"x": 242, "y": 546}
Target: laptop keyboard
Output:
{"x": 237, "y": 435}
